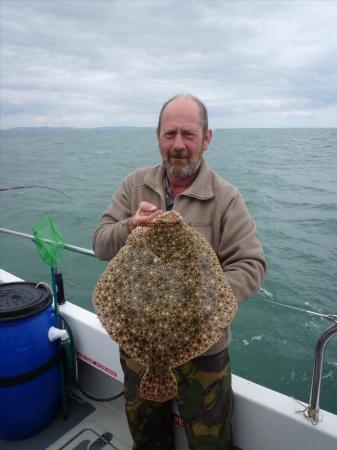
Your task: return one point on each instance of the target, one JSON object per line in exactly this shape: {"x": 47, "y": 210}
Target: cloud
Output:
{"x": 110, "y": 63}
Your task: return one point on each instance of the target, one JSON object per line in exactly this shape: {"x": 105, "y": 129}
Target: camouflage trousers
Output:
{"x": 205, "y": 403}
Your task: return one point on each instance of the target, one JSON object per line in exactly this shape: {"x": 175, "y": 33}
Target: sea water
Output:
{"x": 288, "y": 178}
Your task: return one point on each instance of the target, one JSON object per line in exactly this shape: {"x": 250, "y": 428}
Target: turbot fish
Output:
{"x": 164, "y": 299}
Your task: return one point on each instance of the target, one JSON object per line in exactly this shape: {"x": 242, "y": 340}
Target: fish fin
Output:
{"x": 158, "y": 386}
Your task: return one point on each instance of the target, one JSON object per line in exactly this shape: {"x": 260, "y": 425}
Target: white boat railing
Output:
{"x": 72, "y": 248}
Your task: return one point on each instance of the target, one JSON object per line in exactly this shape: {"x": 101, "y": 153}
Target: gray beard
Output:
{"x": 184, "y": 172}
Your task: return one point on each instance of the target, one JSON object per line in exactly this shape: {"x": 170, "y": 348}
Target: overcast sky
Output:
{"x": 89, "y": 63}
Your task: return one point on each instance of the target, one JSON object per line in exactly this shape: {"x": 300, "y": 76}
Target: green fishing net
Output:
{"x": 49, "y": 241}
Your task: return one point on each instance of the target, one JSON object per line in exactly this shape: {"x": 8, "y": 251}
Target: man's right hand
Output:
{"x": 145, "y": 214}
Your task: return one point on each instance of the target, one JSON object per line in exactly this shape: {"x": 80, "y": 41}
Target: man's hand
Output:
{"x": 145, "y": 214}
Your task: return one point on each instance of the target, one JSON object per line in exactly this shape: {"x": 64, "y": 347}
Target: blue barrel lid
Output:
{"x": 23, "y": 299}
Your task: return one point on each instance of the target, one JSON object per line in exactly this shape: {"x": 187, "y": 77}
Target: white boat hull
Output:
{"x": 263, "y": 419}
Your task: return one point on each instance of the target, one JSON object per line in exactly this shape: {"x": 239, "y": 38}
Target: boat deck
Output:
{"x": 91, "y": 426}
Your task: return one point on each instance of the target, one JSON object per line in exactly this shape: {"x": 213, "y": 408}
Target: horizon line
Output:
{"x": 154, "y": 127}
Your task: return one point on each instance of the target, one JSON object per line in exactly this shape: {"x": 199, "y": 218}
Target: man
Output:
{"x": 183, "y": 182}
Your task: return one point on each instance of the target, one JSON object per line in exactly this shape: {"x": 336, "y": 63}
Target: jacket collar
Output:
{"x": 201, "y": 187}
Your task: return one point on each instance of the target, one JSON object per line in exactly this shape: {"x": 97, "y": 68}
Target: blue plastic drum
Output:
{"x": 29, "y": 369}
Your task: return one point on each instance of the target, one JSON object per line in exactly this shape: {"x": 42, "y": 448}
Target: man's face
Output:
{"x": 181, "y": 138}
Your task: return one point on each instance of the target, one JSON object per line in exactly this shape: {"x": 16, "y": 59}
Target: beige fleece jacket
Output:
{"x": 210, "y": 204}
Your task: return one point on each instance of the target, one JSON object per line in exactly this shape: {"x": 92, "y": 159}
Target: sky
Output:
{"x": 99, "y": 63}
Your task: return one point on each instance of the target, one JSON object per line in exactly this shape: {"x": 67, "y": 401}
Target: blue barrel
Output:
{"x": 29, "y": 369}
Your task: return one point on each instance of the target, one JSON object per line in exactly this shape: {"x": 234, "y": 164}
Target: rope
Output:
{"x": 332, "y": 317}
{"x": 311, "y": 414}
{"x": 34, "y": 186}
{"x": 75, "y": 374}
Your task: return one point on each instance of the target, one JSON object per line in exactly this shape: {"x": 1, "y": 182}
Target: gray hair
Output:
{"x": 202, "y": 107}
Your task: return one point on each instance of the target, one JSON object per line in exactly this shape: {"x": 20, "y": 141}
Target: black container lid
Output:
{"x": 23, "y": 299}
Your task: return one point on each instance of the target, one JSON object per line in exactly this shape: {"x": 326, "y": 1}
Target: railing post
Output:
{"x": 313, "y": 408}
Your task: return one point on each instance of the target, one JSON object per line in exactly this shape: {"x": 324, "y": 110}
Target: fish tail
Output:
{"x": 158, "y": 386}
